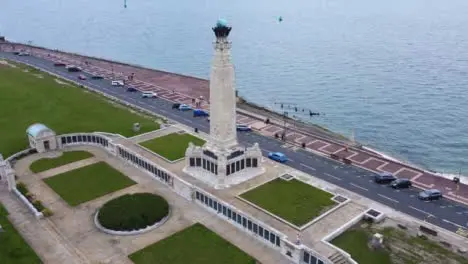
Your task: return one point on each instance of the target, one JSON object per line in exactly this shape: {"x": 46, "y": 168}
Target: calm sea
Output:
{"x": 394, "y": 71}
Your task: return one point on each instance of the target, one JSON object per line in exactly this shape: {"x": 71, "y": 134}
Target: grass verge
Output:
{"x": 293, "y": 201}
{"x": 87, "y": 183}
{"x": 172, "y": 146}
{"x": 196, "y": 245}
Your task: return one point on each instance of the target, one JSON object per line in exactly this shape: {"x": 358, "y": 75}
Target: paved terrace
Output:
{"x": 180, "y": 88}
{"x": 311, "y": 236}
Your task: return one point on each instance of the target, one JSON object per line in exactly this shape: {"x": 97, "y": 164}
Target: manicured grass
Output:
{"x": 294, "y": 201}
{"x": 195, "y": 245}
{"x": 172, "y": 146}
{"x": 355, "y": 243}
{"x": 13, "y": 248}
{"x": 27, "y": 99}
{"x": 87, "y": 183}
{"x": 133, "y": 211}
{"x": 67, "y": 157}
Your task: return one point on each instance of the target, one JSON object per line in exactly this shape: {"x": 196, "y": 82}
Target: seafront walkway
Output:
{"x": 184, "y": 89}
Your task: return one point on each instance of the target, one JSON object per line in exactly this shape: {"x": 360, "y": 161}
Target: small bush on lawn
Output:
{"x": 46, "y": 212}
{"x": 133, "y": 211}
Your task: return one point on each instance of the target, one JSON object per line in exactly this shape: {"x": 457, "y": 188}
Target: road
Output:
{"x": 443, "y": 213}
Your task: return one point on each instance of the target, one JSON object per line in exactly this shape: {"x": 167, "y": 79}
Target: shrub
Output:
{"x": 46, "y": 212}
{"x": 133, "y": 211}
{"x": 38, "y": 205}
{"x": 22, "y": 188}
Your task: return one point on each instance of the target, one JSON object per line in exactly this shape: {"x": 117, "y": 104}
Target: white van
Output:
{"x": 117, "y": 83}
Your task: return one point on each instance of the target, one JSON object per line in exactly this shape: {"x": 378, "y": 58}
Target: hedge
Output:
{"x": 133, "y": 211}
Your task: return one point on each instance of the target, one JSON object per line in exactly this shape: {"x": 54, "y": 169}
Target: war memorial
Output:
{"x": 166, "y": 193}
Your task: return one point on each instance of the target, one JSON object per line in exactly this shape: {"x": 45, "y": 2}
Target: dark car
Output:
{"x": 431, "y": 194}
{"x": 131, "y": 89}
{"x": 72, "y": 68}
{"x": 97, "y": 77}
{"x": 199, "y": 112}
{"x": 243, "y": 128}
{"x": 401, "y": 183}
{"x": 16, "y": 52}
{"x": 59, "y": 64}
{"x": 175, "y": 106}
{"x": 384, "y": 177}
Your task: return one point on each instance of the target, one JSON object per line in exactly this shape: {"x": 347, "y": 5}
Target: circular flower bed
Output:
{"x": 133, "y": 212}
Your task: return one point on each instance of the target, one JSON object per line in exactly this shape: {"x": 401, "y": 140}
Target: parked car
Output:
{"x": 16, "y": 52}
{"x": 431, "y": 194}
{"x": 73, "y": 68}
{"x": 117, "y": 83}
{"x": 81, "y": 77}
{"x": 277, "y": 156}
{"x": 131, "y": 89}
{"x": 185, "y": 107}
{"x": 59, "y": 64}
{"x": 200, "y": 112}
{"x": 243, "y": 128}
{"x": 175, "y": 106}
{"x": 97, "y": 77}
{"x": 149, "y": 95}
{"x": 401, "y": 183}
{"x": 384, "y": 177}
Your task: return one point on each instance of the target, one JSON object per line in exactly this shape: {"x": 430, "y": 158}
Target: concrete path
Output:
{"x": 68, "y": 167}
{"x": 42, "y": 235}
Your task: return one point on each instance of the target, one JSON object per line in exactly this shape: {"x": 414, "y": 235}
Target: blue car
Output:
{"x": 185, "y": 107}
{"x": 199, "y": 112}
{"x": 277, "y": 156}
{"x": 243, "y": 128}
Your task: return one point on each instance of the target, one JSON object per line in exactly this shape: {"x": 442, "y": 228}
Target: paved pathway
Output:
{"x": 183, "y": 89}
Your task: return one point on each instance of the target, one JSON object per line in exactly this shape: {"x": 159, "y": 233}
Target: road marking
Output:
{"x": 187, "y": 120}
{"x": 388, "y": 198}
{"x": 421, "y": 211}
{"x": 455, "y": 224}
{"x": 329, "y": 175}
{"x": 357, "y": 186}
{"x": 309, "y": 167}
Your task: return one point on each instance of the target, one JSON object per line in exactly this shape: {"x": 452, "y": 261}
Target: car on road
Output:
{"x": 401, "y": 183}
{"x": 73, "y": 68}
{"x": 16, "y": 52}
{"x": 149, "y": 95}
{"x": 200, "y": 112}
{"x": 243, "y": 128}
{"x": 59, "y": 64}
{"x": 430, "y": 194}
{"x": 277, "y": 156}
{"x": 97, "y": 77}
{"x": 81, "y": 77}
{"x": 23, "y": 54}
{"x": 185, "y": 107}
{"x": 131, "y": 89}
{"x": 175, "y": 106}
{"x": 384, "y": 177}
{"x": 117, "y": 83}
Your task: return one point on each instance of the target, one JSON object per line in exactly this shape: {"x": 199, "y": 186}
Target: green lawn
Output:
{"x": 172, "y": 146}
{"x": 355, "y": 243}
{"x": 87, "y": 183}
{"x": 13, "y": 248}
{"x": 67, "y": 157}
{"x": 194, "y": 245}
{"x": 27, "y": 99}
{"x": 294, "y": 201}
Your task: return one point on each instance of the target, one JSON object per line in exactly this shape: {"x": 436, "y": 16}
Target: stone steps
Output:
{"x": 338, "y": 258}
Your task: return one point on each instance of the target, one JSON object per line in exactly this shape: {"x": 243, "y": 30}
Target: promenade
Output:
{"x": 184, "y": 89}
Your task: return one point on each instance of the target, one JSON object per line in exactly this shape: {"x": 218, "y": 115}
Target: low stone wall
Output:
{"x": 129, "y": 233}
{"x": 28, "y": 204}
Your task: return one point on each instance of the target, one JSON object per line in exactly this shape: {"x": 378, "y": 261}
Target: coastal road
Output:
{"x": 443, "y": 213}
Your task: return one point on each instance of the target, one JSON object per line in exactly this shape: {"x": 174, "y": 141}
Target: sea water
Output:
{"x": 395, "y": 72}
